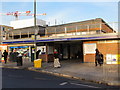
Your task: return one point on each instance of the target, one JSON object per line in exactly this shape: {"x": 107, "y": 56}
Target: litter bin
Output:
{"x": 19, "y": 61}
{"x": 38, "y": 63}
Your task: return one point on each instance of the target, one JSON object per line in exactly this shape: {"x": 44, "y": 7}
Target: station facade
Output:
{"x": 75, "y": 41}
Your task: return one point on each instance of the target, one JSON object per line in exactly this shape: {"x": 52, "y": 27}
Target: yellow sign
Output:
{"x": 118, "y": 58}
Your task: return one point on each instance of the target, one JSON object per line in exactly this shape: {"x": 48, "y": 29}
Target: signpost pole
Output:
{"x": 35, "y": 29}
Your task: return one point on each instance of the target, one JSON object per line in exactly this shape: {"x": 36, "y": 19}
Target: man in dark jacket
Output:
{"x": 37, "y": 54}
{"x": 5, "y": 54}
{"x": 15, "y": 54}
{"x": 97, "y": 57}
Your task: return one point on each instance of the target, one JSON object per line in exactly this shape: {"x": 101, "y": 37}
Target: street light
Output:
{"x": 35, "y": 29}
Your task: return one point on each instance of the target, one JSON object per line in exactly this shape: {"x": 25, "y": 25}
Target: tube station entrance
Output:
{"x": 67, "y": 50}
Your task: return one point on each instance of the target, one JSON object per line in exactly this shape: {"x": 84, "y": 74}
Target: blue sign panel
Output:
{"x": 62, "y": 39}
{"x": 20, "y": 47}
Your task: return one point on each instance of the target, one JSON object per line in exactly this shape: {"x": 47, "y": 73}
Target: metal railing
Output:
{"x": 81, "y": 29}
{"x": 62, "y": 30}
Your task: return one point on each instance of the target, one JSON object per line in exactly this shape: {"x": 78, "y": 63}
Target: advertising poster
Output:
{"x": 89, "y": 48}
{"x": 108, "y": 59}
{"x": 42, "y": 48}
{"x": 114, "y": 59}
{"x": 111, "y": 59}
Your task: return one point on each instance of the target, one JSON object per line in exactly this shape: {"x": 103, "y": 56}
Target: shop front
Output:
{"x": 3, "y": 47}
{"x": 24, "y": 49}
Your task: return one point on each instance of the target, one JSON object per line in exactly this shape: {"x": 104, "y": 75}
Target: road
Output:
{"x": 18, "y": 78}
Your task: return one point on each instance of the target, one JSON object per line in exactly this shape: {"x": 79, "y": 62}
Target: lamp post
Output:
{"x": 1, "y": 37}
{"x": 35, "y": 29}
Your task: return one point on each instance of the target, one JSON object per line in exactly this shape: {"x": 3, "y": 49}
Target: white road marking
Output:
{"x": 63, "y": 83}
{"x": 84, "y": 85}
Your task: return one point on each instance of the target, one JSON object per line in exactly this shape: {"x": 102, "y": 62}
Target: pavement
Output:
{"x": 106, "y": 74}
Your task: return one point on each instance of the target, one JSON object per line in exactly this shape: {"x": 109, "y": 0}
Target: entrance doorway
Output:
{"x": 70, "y": 50}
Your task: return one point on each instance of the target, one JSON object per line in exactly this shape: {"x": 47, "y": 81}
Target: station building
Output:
{"x": 3, "y": 36}
{"x": 75, "y": 41}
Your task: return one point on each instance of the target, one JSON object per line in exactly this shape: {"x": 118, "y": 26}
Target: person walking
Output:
{"x": 0, "y": 56}
{"x": 56, "y": 59}
{"x": 11, "y": 55}
{"x": 5, "y": 55}
{"x": 97, "y": 57}
{"x": 37, "y": 54}
{"x": 15, "y": 54}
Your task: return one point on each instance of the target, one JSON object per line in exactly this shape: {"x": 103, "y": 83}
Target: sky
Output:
{"x": 62, "y": 12}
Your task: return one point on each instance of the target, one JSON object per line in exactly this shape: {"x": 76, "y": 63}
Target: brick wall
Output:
{"x": 105, "y": 47}
{"x": 108, "y": 47}
{"x": 89, "y": 58}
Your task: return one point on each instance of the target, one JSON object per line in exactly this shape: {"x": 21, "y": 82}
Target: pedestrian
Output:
{"x": 43, "y": 51}
{"x": 0, "y": 56}
{"x": 11, "y": 55}
{"x": 26, "y": 53}
{"x": 5, "y": 55}
{"x": 56, "y": 59}
{"x": 97, "y": 58}
{"x": 15, "y": 54}
{"x": 37, "y": 54}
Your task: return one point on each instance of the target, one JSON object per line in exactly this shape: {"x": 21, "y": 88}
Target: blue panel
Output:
{"x": 20, "y": 47}
{"x": 63, "y": 39}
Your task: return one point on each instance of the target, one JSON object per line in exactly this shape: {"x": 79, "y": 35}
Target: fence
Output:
{"x": 81, "y": 29}
{"x": 63, "y": 30}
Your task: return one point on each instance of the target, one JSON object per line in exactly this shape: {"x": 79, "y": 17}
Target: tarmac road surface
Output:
{"x": 18, "y": 78}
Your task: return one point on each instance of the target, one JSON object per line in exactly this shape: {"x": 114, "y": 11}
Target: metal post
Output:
{"x": 55, "y": 22}
{"x": 1, "y": 37}
{"x": 65, "y": 30}
{"x": 100, "y": 27}
{"x": 76, "y": 30}
{"x": 35, "y": 28}
{"x": 55, "y": 32}
{"x": 20, "y": 35}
